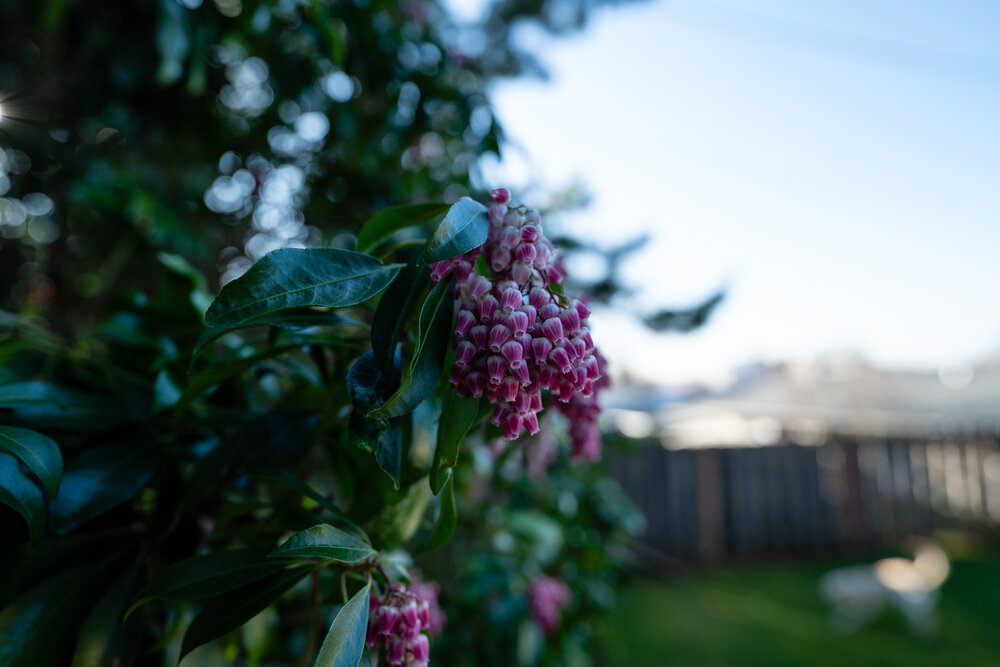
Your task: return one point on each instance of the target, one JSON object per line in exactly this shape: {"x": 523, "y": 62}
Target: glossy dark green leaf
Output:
{"x": 48, "y": 406}
{"x": 207, "y": 575}
{"x": 433, "y": 337}
{"x": 325, "y": 542}
{"x": 385, "y": 223}
{"x": 389, "y": 451}
{"x": 345, "y": 641}
{"x": 447, "y": 520}
{"x": 458, "y": 415}
{"x": 464, "y": 227}
{"x": 295, "y": 277}
{"x": 39, "y": 452}
{"x": 394, "y": 310}
{"x": 98, "y": 480}
{"x": 231, "y": 610}
{"x": 295, "y": 319}
{"x": 36, "y": 629}
{"x": 97, "y": 643}
{"x": 22, "y": 494}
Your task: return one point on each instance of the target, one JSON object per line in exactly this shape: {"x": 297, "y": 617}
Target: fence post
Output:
{"x": 708, "y": 490}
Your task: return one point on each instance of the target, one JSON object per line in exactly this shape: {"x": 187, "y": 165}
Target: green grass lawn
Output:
{"x": 773, "y": 615}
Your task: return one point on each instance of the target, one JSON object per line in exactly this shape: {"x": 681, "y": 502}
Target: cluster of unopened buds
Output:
{"x": 547, "y": 596}
{"x": 515, "y": 333}
{"x": 400, "y": 617}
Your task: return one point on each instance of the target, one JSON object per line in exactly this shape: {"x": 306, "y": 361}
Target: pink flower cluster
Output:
{"x": 547, "y": 597}
{"x": 428, "y": 592}
{"x": 515, "y": 335}
{"x": 582, "y": 412}
{"x": 400, "y": 616}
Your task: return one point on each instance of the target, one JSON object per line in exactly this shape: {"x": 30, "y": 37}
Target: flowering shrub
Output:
{"x": 303, "y": 449}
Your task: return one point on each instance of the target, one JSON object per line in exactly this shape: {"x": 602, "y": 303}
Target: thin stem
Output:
{"x": 343, "y": 585}
{"x": 316, "y": 607}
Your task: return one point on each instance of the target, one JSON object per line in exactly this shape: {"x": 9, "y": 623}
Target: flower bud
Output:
{"x": 512, "y": 426}
{"x": 497, "y": 368}
{"x": 499, "y": 335}
{"x": 548, "y": 311}
{"x": 509, "y": 388}
{"x": 510, "y": 300}
{"x": 521, "y": 273}
{"x": 478, "y": 287}
{"x": 518, "y": 322}
{"x": 487, "y": 306}
{"x": 540, "y": 348}
{"x": 479, "y": 335}
{"x": 464, "y": 321}
{"x": 538, "y": 297}
{"x": 553, "y": 330}
{"x": 500, "y": 195}
{"x": 526, "y": 254}
{"x": 530, "y": 234}
{"x": 560, "y": 359}
{"x": 570, "y": 320}
{"x": 440, "y": 270}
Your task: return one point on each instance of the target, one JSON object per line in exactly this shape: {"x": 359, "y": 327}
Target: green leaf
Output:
{"x": 22, "y": 494}
{"x": 98, "y": 640}
{"x": 327, "y": 543}
{"x": 393, "y": 311}
{"x": 40, "y": 453}
{"x": 397, "y": 523}
{"x": 231, "y": 610}
{"x": 385, "y": 223}
{"x": 433, "y": 336}
{"x": 98, "y": 480}
{"x": 295, "y": 277}
{"x": 292, "y": 481}
{"x": 458, "y": 415}
{"x": 447, "y": 520}
{"x": 36, "y": 628}
{"x": 166, "y": 393}
{"x": 49, "y": 406}
{"x": 383, "y": 436}
{"x": 207, "y": 575}
{"x": 295, "y": 319}
{"x": 209, "y": 378}
{"x": 389, "y": 451}
{"x": 345, "y": 641}
{"x": 464, "y": 227}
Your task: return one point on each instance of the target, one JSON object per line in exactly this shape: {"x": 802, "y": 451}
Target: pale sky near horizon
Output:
{"x": 836, "y": 165}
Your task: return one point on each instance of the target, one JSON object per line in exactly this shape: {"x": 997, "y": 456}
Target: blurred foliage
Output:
{"x": 153, "y": 150}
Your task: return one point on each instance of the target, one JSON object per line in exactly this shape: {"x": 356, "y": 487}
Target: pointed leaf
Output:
{"x": 447, "y": 520}
{"x": 295, "y": 277}
{"x": 394, "y": 310}
{"x": 98, "y": 480}
{"x": 231, "y": 610}
{"x": 345, "y": 641}
{"x": 40, "y": 453}
{"x": 99, "y": 638}
{"x": 22, "y": 494}
{"x": 34, "y": 628}
{"x": 383, "y": 224}
{"x": 207, "y": 575}
{"x": 425, "y": 366}
{"x": 464, "y": 227}
{"x": 49, "y": 406}
{"x": 325, "y": 542}
{"x": 295, "y": 319}
{"x": 458, "y": 415}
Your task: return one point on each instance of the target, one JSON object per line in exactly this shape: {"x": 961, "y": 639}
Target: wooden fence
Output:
{"x": 851, "y": 493}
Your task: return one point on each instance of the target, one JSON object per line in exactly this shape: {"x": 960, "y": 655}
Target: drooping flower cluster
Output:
{"x": 515, "y": 335}
{"x": 547, "y": 596}
{"x": 582, "y": 412}
{"x": 399, "y": 617}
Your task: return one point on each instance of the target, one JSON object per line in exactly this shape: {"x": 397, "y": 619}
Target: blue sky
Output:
{"x": 836, "y": 164}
